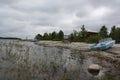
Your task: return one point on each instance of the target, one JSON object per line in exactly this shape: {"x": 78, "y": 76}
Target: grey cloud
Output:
{"x": 23, "y": 18}
{"x": 7, "y": 2}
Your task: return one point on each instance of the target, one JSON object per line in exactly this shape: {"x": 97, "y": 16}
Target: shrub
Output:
{"x": 93, "y": 39}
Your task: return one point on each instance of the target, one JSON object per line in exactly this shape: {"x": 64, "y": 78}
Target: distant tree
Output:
{"x": 38, "y": 37}
{"x": 113, "y": 32}
{"x": 83, "y": 33}
{"x": 117, "y": 35}
{"x": 54, "y": 35}
{"x": 50, "y": 36}
{"x": 71, "y": 38}
{"x": 103, "y": 32}
{"x": 75, "y": 35}
{"x": 46, "y": 36}
{"x": 79, "y": 36}
{"x": 61, "y": 35}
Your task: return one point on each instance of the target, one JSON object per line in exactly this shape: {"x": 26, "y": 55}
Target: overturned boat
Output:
{"x": 103, "y": 44}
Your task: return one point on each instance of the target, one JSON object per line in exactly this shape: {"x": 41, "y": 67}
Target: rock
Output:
{"x": 94, "y": 69}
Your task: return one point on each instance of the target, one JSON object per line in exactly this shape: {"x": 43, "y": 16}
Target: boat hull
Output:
{"x": 103, "y": 45}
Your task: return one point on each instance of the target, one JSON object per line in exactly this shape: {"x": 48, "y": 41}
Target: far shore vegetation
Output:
{"x": 83, "y": 35}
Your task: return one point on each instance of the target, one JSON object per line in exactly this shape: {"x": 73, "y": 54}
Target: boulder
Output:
{"x": 94, "y": 69}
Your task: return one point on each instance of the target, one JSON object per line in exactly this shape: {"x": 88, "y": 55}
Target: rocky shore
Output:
{"x": 73, "y": 45}
{"x": 112, "y": 53}
{"x": 78, "y": 46}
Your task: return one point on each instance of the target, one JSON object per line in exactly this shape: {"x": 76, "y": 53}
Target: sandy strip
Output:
{"x": 114, "y": 52}
{"x": 73, "y": 45}
{"x": 77, "y": 45}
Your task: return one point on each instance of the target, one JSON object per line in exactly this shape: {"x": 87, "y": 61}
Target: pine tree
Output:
{"x": 50, "y": 36}
{"x": 38, "y": 37}
{"x": 83, "y": 33}
{"x": 103, "y": 32}
{"x": 71, "y": 38}
{"x": 117, "y": 35}
{"x": 54, "y": 35}
{"x": 46, "y": 36}
{"x": 113, "y": 32}
{"x": 61, "y": 35}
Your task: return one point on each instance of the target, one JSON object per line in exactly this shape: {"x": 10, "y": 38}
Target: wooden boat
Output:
{"x": 103, "y": 44}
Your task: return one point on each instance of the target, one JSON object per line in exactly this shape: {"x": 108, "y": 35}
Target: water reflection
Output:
{"x": 27, "y": 61}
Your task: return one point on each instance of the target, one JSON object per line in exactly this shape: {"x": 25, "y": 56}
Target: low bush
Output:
{"x": 93, "y": 39}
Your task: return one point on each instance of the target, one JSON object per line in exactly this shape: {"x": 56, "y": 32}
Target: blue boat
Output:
{"x": 103, "y": 44}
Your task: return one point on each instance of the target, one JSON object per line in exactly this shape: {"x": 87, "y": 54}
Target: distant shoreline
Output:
{"x": 13, "y": 38}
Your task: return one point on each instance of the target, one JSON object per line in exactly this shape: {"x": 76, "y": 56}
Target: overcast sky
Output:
{"x": 26, "y": 18}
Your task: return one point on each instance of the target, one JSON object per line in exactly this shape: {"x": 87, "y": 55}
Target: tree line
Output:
{"x": 82, "y": 35}
{"x": 55, "y": 36}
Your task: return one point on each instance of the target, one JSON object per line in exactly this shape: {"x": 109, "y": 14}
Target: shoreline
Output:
{"x": 74, "y": 45}
{"x": 111, "y": 54}
{"x": 77, "y": 46}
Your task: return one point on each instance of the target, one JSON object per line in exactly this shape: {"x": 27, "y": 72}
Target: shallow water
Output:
{"x": 28, "y": 61}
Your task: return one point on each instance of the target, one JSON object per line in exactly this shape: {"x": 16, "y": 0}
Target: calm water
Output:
{"x": 28, "y": 61}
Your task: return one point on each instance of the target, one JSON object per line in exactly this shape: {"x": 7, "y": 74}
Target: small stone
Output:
{"x": 94, "y": 69}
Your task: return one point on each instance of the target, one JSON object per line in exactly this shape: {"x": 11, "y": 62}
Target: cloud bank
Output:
{"x": 26, "y": 18}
